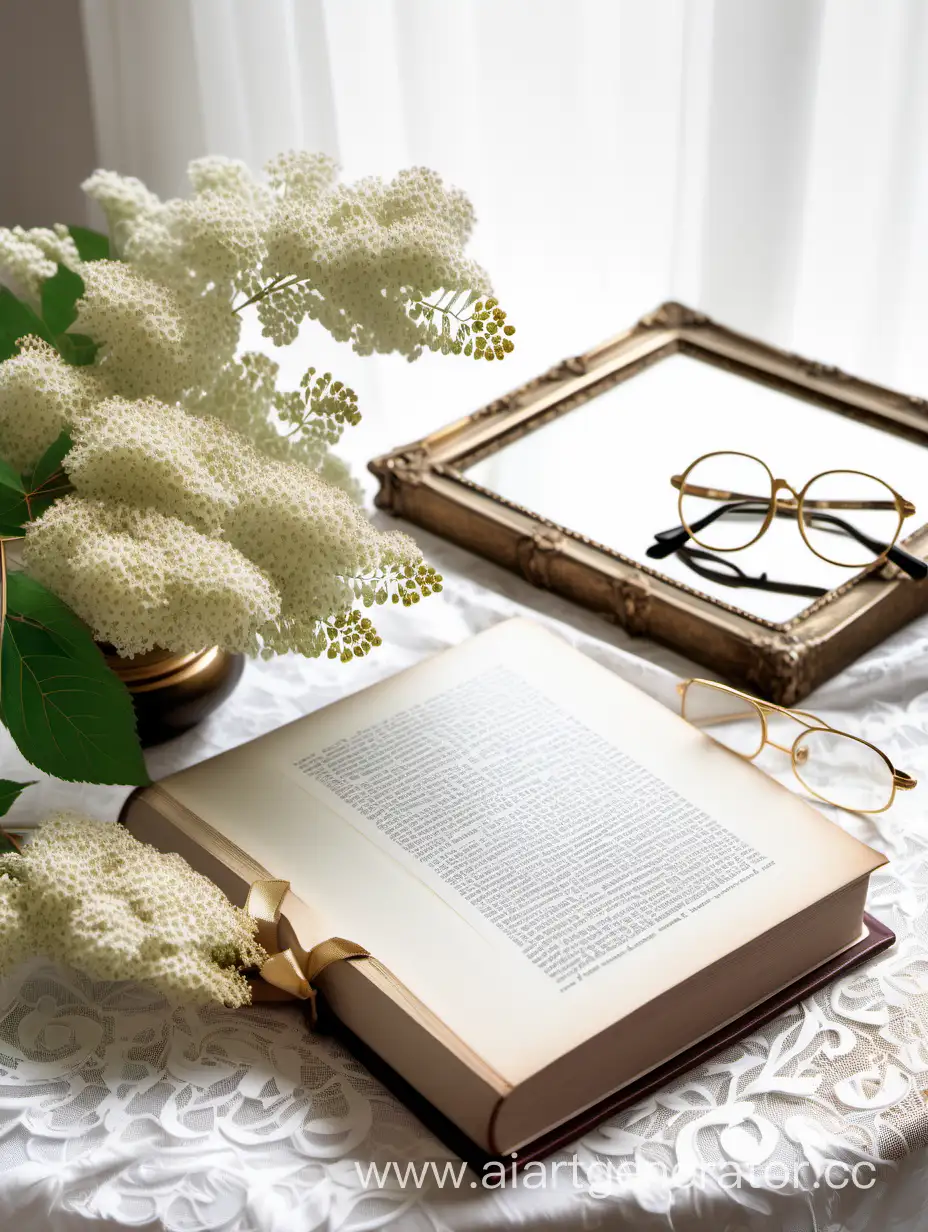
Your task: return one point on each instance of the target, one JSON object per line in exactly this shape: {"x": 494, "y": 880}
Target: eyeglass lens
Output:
{"x": 856, "y": 536}
{"x": 843, "y": 770}
{"x": 831, "y": 765}
{"x": 725, "y": 499}
{"x": 729, "y": 719}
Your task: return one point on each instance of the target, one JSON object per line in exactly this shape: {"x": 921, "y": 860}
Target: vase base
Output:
{"x": 171, "y": 693}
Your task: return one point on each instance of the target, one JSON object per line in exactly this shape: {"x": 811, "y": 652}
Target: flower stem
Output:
{"x": 423, "y": 303}
{"x": 277, "y": 284}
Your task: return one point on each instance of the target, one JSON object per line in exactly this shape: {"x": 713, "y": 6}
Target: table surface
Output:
{"x": 117, "y": 1109}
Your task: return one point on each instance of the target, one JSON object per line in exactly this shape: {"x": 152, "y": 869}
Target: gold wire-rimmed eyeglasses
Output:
{"x": 724, "y": 493}
{"x": 832, "y": 765}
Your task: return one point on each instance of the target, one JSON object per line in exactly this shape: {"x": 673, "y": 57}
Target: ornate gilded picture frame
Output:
{"x": 427, "y": 483}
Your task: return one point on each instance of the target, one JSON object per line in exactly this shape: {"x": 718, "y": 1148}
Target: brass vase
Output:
{"x": 173, "y": 692}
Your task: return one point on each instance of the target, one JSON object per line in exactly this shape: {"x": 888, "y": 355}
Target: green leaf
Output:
{"x": 59, "y": 295}
{"x": 67, "y": 712}
{"x": 16, "y": 321}
{"x": 92, "y": 245}
{"x": 9, "y": 791}
{"x": 47, "y": 480}
{"x": 14, "y": 508}
{"x": 77, "y": 349}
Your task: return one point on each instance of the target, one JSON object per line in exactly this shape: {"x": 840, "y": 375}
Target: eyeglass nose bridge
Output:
{"x": 781, "y": 485}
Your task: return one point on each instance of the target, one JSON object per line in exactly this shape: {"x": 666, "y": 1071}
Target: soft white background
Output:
{"x": 760, "y": 159}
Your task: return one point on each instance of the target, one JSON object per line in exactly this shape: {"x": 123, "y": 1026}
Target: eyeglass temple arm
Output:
{"x": 669, "y": 541}
{"x": 908, "y": 563}
{"x": 901, "y": 779}
{"x": 693, "y": 489}
{"x": 737, "y": 578}
{"x": 757, "y": 702}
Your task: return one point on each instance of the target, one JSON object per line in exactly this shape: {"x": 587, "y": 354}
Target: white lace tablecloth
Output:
{"x": 117, "y": 1110}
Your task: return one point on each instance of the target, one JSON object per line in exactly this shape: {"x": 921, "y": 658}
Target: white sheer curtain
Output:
{"x": 762, "y": 161}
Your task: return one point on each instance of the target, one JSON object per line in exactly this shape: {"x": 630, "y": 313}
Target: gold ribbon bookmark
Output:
{"x": 290, "y": 973}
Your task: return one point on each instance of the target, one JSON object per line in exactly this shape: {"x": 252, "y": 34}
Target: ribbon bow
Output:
{"x": 291, "y": 972}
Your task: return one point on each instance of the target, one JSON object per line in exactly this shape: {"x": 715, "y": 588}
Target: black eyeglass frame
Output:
{"x": 669, "y": 541}
{"x": 737, "y": 579}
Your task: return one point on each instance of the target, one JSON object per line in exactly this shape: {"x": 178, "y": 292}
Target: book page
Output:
{"x": 530, "y": 844}
{"x": 526, "y": 820}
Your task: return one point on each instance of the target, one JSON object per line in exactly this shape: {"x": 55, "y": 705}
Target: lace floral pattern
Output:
{"x": 116, "y": 1109}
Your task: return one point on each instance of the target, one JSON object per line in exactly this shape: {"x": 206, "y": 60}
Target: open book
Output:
{"x": 562, "y": 883}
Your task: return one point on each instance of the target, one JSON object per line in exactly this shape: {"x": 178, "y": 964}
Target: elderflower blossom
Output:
{"x": 208, "y": 505}
{"x": 142, "y": 580}
{"x": 308, "y": 541}
{"x": 286, "y": 514}
{"x": 56, "y": 242}
{"x": 27, "y": 258}
{"x": 245, "y": 397}
{"x": 211, "y": 240}
{"x": 123, "y": 199}
{"x": 363, "y": 253}
{"x": 153, "y": 456}
{"x": 302, "y": 173}
{"x": 40, "y": 396}
{"x": 89, "y": 895}
{"x": 229, "y": 177}
{"x": 156, "y": 340}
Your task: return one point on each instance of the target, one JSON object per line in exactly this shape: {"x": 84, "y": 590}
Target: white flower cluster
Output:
{"x": 245, "y": 396}
{"x": 208, "y": 506}
{"x": 40, "y": 396}
{"x": 356, "y": 257}
{"x": 142, "y": 580}
{"x": 87, "y": 894}
{"x": 27, "y": 258}
{"x": 181, "y": 533}
{"x": 156, "y": 340}
{"x": 123, "y": 199}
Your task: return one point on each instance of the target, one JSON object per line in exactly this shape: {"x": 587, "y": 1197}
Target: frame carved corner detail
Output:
{"x": 535, "y": 553}
{"x": 783, "y": 670}
{"x": 405, "y": 469}
{"x": 673, "y": 315}
{"x": 819, "y": 371}
{"x": 631, "y": 603}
